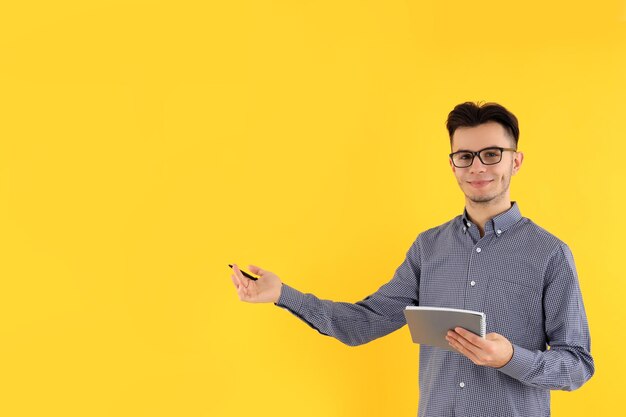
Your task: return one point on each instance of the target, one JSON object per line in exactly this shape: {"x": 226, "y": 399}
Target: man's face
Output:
{"x": 486, "y": 183}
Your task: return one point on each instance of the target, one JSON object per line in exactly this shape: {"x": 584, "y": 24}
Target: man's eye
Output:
{"x": 490, "y": 154}
{"x": 464, "y": 156}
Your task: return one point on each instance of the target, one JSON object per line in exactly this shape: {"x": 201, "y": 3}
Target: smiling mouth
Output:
{"x": 479, "y": 184}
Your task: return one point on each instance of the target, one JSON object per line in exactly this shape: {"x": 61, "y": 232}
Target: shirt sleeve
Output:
{"x": 568, "y": 363}
{"x": 357, "y": 323}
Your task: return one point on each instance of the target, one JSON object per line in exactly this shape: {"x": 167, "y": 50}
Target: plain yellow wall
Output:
{"x": 145, "y": 145}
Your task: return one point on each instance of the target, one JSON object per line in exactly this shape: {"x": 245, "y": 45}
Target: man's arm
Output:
{"x": 356, "y": 323}
{"x": 568, "y": 363}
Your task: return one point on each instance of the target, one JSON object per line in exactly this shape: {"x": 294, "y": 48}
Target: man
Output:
{"x": 488, "y": 259}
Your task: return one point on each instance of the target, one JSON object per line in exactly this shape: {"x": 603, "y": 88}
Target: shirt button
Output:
{"x": 498, "y": 231}
{"x": 473, "y": 283}
{"x": 478, "y": 250}
{"x": 462, "y": 384}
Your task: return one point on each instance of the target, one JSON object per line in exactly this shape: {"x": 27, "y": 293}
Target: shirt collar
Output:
{"x": 498, "y": 224}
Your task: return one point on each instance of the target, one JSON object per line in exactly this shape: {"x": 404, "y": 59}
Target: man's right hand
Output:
{"x": 265, "y": 290}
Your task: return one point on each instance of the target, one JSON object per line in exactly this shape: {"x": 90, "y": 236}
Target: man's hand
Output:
{"x": 494, "y": 350}
{"x": 265, "y": 290}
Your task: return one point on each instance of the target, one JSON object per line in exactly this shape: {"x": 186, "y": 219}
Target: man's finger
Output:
{"x": 244, "y": 281}
{"x": 243, "y": 293}
{"x": 471, "y": 337}
{"x": 256, "y": 270}
{"x": 457, "y": 344}
{"x": 463, "y": 342}
{"x": 237, "y": 272}
{"x": 471, "y": 356}
{"x": 235, "y": 281}
{"x": 237, "y": 278}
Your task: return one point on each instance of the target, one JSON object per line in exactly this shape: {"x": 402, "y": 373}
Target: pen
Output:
{"x": 245, "y": 273}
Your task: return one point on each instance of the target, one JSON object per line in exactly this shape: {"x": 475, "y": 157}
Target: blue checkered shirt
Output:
{"x": 520, "y": 275}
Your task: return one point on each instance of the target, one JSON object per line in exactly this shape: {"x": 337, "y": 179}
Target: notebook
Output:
{"x": 429, "y": 325}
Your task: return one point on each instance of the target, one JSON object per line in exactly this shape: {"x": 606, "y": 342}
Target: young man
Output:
{"x": 488, "y": 259}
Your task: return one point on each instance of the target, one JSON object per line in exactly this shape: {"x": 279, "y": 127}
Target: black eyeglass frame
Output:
{"x": 477, "y": 154}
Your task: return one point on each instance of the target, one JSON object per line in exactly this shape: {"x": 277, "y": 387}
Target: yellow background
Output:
{"x": 145, "y": 145}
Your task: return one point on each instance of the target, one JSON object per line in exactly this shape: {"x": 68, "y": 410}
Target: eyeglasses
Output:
{"x": 488, "y": 156}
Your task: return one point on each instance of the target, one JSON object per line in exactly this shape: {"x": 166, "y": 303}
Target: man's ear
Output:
{"x": 517, "y": 162}
{"x": 451, "y": 165}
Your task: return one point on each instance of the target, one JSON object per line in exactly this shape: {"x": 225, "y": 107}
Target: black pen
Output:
{"x": 246, "y": 274}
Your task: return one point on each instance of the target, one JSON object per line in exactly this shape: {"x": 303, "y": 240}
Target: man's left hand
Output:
{"x": 494, "y": 350}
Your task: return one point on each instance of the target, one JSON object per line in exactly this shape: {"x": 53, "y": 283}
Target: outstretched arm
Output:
{"x": 352, "y": 323}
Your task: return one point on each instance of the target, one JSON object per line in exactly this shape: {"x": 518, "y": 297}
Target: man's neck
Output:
{"x": 481, "y": 213}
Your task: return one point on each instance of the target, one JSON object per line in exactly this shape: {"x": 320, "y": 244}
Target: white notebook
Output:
{"x": 429, "y": 325}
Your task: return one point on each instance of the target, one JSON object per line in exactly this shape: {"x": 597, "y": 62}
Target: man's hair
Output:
{"x": 471, "y": 114}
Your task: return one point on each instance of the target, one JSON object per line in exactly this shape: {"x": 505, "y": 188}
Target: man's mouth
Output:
{"x": 479, "y": 184}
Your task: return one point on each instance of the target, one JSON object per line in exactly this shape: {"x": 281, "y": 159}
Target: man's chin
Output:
{"x": 480, "y": 198}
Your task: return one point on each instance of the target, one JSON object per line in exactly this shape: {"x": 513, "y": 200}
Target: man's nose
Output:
{"x": 477, "y": 165}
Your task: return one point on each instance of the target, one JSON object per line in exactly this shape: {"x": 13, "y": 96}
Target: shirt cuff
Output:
{"x": 521, "y": 363}
{"x": 290, "y": 298}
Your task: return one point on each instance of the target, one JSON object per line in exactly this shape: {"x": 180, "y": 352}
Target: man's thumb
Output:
{"x": 256, "y": 270}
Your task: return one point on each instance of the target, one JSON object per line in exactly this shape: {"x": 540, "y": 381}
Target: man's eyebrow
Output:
{"x": 468, "y": 150}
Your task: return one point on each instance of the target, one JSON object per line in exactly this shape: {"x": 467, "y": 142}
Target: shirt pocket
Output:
{"x": 515, "y": 311}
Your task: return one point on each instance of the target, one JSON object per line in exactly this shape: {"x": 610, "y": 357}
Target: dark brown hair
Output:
{"x": 471, "y": 114}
